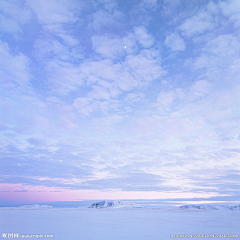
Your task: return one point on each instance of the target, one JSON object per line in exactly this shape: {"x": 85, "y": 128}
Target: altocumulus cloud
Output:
{"x": 81, "y": 111}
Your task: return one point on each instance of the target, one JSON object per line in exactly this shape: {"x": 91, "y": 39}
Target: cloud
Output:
{"x": 165, "y": 99}
{"x": 176, "y": 98}
{"x": 81, "y": 111}
{"x": 107, "y": 123}
{"x": 222, "y": 45}
{"x": 90, "y": 105}
{"x": 129, "y": 182}
{"x": 170, "y": 6}
{"x": 47, "y": 49}
{"x": 107, "y": 20}
{"x": 141, "y": 12}
{"x": 214, "y": 53}
{"x": 198, "y": 24}
{"x": 55, "y": 18}
{"x": 63, "y": 77}
{"x": 13, "y": 16}
{"x": 205, "y": 108}
{"x": 113, "y": 46}
{"x": 200, "y": 88}
{"x": 150, "y": 3}
{"x": 175, "y": 42}
{"x": 60, "y": 65}
{"x": 231, "y": 9}
{"x": 108, "y": 46}
{"x": 108, "y": 80}
{"x": 132, "y": 98}
{"x": 35, "y": 141}
{"x": 100, "y": 93}
{"x": 55, "y": 12}
{"x": 145, "y": 39}
{"x": 14, "y": 68}
{"x": 84, "y": 105}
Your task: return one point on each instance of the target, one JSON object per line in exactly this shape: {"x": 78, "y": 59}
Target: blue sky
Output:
{"x": 120, "y": 97}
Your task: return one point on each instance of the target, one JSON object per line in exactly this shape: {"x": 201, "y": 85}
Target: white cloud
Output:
{"x": 200, "y": 88}
{"x": 211, "y": 111}
{"x": 223, "y": 45}
{"x": 231, "y": 9}
{"x": 143, "y": 69}
{"x": 175, "y": 42}
{"x": 13, "y": 16}
{"x": 107, "y": 121}
{"x": 133, "y": 97}
{"x": 165, "y": 130}
{"x": 108, "y": 46}
{"x": 49, "y": 48}
{"x": 113, "y": 46}
{"x": 235, "y": 66}
{"x": 145, "y": 39}
{"x": 113, "y": 79}
{"x": 100, "y": 93}
{"x": 198, "y": 24}
{"x": 108, "y": 80}
{"x": 150, "y": 3}
{"x": 59, "y": 30}
{"x": 14, "y": 68}
{"x": 60, "y": 63}
{"x": 55, "y": 17}
{"x": 57, "y": 50}
{"x": 221, "y": 51}
{"x": 170, "y": 6}
{"x": 103, "y": 111}
{"x": 54, "y": 12}
{"x": 84, "y": 105}
{"x": 108, "y": 5}
{"x": 213, "y": 7}
{"x": 199, "y": 115}
{"x": 170, "y": 101}
{"x": 63, "y": 77}
{"x": 141, "y": 12}
{"x": 88, "y": 105}
{"x": 165, "y": 99}
{"x": 105, "y": 20}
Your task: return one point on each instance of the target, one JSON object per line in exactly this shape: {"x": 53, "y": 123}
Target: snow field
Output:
{"x": 118, "y": 223}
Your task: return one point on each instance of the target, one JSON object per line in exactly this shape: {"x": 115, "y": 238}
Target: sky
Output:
{"x": 112, "y": 99}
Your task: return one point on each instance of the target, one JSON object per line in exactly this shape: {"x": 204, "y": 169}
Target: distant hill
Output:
{"x": 106, "y": 204}
{"x": 211, "y": 207}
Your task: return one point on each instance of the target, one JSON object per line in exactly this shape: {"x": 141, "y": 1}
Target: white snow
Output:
{"x": 121, "y": 223}
{"x": 34, "y": 206}
{"x": 113, "y": 204}
{"x": 106, "y": 204}
{"x": 211, "y": 207}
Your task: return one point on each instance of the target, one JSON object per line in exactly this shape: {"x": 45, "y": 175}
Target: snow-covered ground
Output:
{"x": 114, "y": 204}
{"x": 121, "y": 221}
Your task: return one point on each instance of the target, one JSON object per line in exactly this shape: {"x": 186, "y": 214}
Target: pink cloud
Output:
{"x": 47, "y": 194}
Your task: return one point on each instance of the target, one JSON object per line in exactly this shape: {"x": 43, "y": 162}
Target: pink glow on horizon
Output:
{"x": 47, "y": 194}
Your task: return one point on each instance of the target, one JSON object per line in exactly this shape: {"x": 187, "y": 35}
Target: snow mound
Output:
{"x": 35, "y": 206}
{"x": 211, "y": 207}
{"x": 237, "y": 207}
{"x": 106, "y": 204}
{"x": 114, "y": 204}
{"x": 201, "y": 207}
